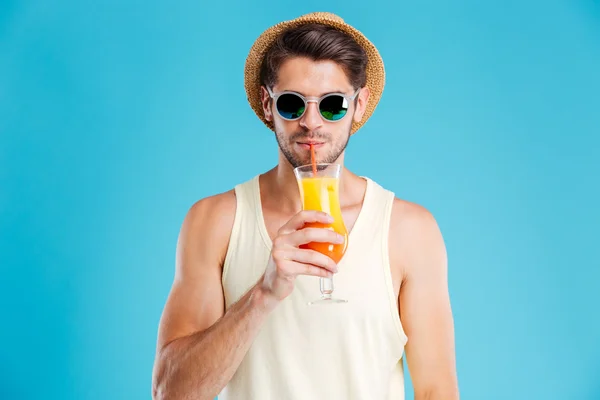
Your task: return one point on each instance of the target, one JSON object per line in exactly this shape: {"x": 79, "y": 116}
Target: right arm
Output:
{"x": 200, "y": 346}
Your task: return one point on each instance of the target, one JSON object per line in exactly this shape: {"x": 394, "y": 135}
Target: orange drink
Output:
{"x": 322, "y": 194}
{"x": 319, "y": 191}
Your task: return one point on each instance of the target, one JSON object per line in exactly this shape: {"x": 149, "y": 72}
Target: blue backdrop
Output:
{"x": 116, "y": 116}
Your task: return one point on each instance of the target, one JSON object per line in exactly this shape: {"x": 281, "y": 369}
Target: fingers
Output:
{"x": 307, "y": 216}
{"x": 311, "y": 257}
{"x": 291, "y": 262}
{"x": 308, "y": 269}
{"x": 308, "y": 235}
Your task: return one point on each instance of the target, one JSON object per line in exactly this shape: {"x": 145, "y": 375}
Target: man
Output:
{"x": 237, "y": 323}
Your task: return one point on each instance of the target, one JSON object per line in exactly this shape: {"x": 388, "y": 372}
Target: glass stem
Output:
{"x": 326, "y": 287}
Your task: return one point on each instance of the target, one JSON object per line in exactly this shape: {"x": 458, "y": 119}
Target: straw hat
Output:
{"x": 375, "y": 68}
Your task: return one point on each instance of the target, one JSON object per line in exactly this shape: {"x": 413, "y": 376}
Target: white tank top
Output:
{"x": 350, "y": 351}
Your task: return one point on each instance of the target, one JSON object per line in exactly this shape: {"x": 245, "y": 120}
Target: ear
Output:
{"x": 266, "y": 103}
{"x": 361, "y": 103}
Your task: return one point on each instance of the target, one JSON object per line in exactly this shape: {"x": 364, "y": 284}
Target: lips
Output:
{"x": 306, "y": 145}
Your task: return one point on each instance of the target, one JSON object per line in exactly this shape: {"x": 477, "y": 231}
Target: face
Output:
{"x": 313, "y": 79}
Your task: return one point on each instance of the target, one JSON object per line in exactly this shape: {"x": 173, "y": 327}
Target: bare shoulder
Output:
{"x": 416, "y": 241}
{"x": 207, "y": 228}
{"x": 409, "y": 215}
{"x": 216, "y": 207}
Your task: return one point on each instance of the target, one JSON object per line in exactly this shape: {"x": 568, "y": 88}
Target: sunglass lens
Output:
{"x": 334, "y": 107}
{"x": 290, "y": 106}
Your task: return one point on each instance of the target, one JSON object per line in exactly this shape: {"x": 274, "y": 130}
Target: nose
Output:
{"x": 311, "y": 120}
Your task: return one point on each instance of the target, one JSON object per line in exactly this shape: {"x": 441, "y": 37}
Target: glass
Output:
{"x": 320, "y": 192}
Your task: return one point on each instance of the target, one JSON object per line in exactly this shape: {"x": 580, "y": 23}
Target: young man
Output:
{"x": 237, "y": 323}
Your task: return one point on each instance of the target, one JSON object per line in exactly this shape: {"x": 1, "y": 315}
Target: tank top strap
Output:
{"x": 245, "y": 219}
{"x": 373, "y": 219}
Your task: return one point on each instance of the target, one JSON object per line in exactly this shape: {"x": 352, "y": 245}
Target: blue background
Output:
{"x": 116, "y": 116}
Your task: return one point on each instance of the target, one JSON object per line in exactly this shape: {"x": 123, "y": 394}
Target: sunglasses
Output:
{"x": 332, "y": 107}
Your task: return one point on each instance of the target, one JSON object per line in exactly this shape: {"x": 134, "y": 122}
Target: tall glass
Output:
{"x": 320, "y": 192}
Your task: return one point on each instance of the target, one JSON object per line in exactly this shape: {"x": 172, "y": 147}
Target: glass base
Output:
{"x": 326, "y": 300}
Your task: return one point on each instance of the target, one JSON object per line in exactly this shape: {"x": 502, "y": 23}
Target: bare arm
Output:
{"x": 425, "y": 305}
{"x": 199, "y": 366}
{"x": 200, "y": 346}
{"x": 193, "y": 326}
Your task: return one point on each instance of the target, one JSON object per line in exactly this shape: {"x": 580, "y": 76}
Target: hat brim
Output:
{"x": 375, "y": 68}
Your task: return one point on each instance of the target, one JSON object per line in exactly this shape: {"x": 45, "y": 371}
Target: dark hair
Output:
{"x": 319, "y": 43}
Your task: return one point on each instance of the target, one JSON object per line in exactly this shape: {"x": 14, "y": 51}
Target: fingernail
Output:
{"x": 329, "y": 218}
{"x": 340, "y": 239}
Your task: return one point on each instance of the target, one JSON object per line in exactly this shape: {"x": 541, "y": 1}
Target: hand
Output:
{"x": 288, "y": 260}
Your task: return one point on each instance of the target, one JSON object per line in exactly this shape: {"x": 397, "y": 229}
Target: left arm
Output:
{"x": 424, "y": 303}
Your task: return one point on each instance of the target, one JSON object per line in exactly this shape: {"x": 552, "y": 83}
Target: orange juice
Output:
{"x": 322, "y": 194}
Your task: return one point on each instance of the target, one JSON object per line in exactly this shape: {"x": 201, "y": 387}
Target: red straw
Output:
{"x": 313, "y": 159}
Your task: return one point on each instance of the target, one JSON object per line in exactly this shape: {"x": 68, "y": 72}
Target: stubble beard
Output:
{"x": 297, "y": 160}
